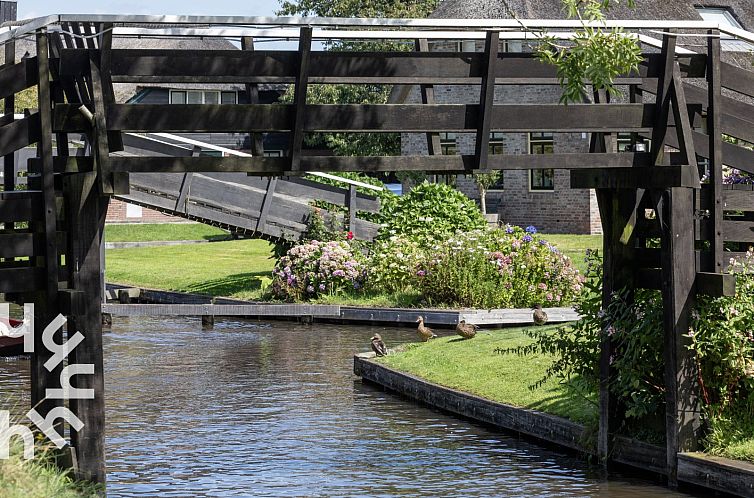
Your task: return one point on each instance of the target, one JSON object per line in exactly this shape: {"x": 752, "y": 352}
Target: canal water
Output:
{"x": 273, "y": 409}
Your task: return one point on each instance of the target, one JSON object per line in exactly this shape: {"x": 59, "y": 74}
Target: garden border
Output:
{"x": 720, "y": 474}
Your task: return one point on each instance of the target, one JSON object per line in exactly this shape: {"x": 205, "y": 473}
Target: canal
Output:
{"x": 273, "y": 409}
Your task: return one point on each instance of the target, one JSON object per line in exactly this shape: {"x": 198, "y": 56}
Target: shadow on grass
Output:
{"x": 220, "y": 237}
{"x": 231, "y": 284}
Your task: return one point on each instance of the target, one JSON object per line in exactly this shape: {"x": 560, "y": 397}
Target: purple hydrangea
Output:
{"x": 527, "y": 238}
{"x": 531, "y": 229}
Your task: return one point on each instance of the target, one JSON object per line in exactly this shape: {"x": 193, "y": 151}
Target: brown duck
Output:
{"x": 540, "y": 316}
{"x": 425, "y": 333}
{"x": 466, "y": 330}
{"x": 378, "y": 346}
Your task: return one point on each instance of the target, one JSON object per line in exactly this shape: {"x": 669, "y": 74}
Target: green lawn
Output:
{"x": 231, "y": 268}
{"x": 575, "y": 246}
{"x": 163, "y": 232}
{"x": 473, "y": 366}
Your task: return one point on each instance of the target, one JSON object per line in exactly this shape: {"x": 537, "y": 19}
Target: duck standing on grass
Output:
{"x": 425, "y": 333}
{"x": 378, "y": 346}
{"x": 466, "y": 330}
{"x": 540, "y": 316}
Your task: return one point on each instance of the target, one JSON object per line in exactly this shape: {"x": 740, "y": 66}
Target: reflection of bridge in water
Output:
{"x": 67, "y": 195}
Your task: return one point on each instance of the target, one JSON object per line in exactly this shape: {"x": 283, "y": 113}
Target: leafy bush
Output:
{"x": 430, "y": 212}
{"x": 315, "y": 268}
{"x": 498, "y": 268}
{"x": 393, "y": 265}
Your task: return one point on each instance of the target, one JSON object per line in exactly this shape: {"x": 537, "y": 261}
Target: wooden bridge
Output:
{"x": 51, "y": 242}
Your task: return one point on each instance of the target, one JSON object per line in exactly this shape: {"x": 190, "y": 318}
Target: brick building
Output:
{"x": 543, "y": 198}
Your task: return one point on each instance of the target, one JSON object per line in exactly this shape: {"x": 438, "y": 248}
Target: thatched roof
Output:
{"x": 742, "y": 10}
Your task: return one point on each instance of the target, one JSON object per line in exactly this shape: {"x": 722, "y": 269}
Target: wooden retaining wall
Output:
{"x": 720, "y": 474}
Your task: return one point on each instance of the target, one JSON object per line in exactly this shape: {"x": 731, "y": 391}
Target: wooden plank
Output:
{"x": 16, "y": 244}
{"x": 362, "y": 117}
{"x": 270, "y": 66}
{"x": 652, "y": 177}
{"x": 351, "y": 204}
{"x": 428, "y": 97}
{"x": 100, "y": 131}
{"x": 299, "y": 97}
{"x": 17, "y": 76}
{"x": 682, "y": 125}
{"x": 180, "y": 202}
{"x": 737, "y": 79}
{"x": 273, "y": 310}
{"x": 19, "y": 134}
{"x": 268, "y": 200}
{"x": 252, "y": 92}
{"x": 716, "y": 284}
{"x": 683, "y": 416}
{"x": 86, "y": 211}
{"x": 721, "y": 474}
{"x": 9, "y": 104}
{"x": 300, "y": 187}
{"x": 20, "y": 280}
{"x": 738, "y": 231}
{"x": 663, "y": 93}
{"x": 487, "y": 99}
{"x": 714, "y": 130}
{"x": 19, "y": 206}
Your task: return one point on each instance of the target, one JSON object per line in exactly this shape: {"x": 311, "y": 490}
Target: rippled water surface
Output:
{"x": 273, "y": 409}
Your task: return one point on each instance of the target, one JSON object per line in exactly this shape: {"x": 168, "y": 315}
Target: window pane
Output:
{"x": 177, "y": 97}
{"x": 228, "y": 98}
{"x": 542, "y": 179}
{"x": 211, "y": 97}
{"x": 194, "y": 98}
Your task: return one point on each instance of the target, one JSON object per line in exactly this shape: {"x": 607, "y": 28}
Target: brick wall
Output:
{"x": 119, "y": 212}
{"x": 563, "y": 210}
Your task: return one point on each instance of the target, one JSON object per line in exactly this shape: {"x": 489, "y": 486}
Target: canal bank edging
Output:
{"x": 143, "y": 302}
{"x": 720, "y": 474}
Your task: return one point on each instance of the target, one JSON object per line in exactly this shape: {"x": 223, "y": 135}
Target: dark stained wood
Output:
{"x": 19, "y": 134}
{"x": 86, "y": 210}
{"x": 46, "y": 301}
{"x": 16, "y": 280}
{"x": 487, "y": 98}
{"x": 252, "y": 91}
{"x": 716, "y": 284}
{"x": 715, "y": 149}
{"x": 351, "y": 204}
{"x": 683, "y": 417}
{"x": 663, "y": 96}
{"x": 299, "y": 97}
{"x": 640, "y": 177}
{"x": 17, "y": 76}
{"x": 100, "y": 132}
{"x": 737, "y": 79}
{"x": 428, "y": 97}
{"x": 264, "y": 212}
{"x": 9, "y": 166}
{"x": 683, "y": 126}
{"x": 362, "y": 117}
{"x": 738, "y": 231}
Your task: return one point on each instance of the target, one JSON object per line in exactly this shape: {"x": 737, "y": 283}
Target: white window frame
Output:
{"x": 716, "y": 14}
{"x": 219, "y": 94}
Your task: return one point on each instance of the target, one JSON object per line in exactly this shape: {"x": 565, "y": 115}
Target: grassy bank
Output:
{"x": 236, "y": 268}
{"x": 232, "y": 268}
{"x": 473, "y": 366}
{"x": 163, "y": 232}
{"x": 38, "y": 478}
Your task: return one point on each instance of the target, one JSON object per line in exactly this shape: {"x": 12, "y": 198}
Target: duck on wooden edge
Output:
{"x": 378, "y": 346}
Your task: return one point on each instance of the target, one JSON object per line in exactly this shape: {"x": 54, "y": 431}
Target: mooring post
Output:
{"x": 86, "y": 209}
{"x": 208, "y": 322}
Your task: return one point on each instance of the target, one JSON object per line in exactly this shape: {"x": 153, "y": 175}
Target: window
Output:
{"x": 496, "y": 143}
{"x": 273, "y": 153}
{"x": 202, "y": 97}
{"x": 467, "y": 46}
{"x": 541, "y": 179}
{"x": 725, "y": 19}
{"x": 448, "y": 144}
{"x": 629, "y": 142}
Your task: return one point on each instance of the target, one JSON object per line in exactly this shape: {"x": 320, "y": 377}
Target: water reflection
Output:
{"x": 254, "y": 409}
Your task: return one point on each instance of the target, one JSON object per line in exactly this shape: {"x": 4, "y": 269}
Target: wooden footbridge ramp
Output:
{"x": 670, "y": 223}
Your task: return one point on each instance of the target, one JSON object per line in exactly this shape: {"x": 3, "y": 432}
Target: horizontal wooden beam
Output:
{"x": 19, "y": 134}
{"x": 632, "y": 178}
{"x": 21, "y": 207}
{"x": 16, "y": 280}
{"x": 737, "y": 79}
{"x": 716, "y": 284}
{"x": 18, "y": 77}
{"x": 270, "y": 66}
{"x": 738, "y": 231}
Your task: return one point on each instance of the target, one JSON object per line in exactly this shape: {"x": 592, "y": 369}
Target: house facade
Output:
{"x": 544, "y": 198}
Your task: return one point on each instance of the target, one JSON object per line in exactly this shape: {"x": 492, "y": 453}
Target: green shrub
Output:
{"x": 393, "y": 265}
{"x": 498, "y": 268}
{"x": 429, "y": 212}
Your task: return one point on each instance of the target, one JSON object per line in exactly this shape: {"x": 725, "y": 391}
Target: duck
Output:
{"x": 425, "y": 333}
{"x": 539, "y": 316}
{"x": 378, "y": 346}
{"x": 466, "y": 330}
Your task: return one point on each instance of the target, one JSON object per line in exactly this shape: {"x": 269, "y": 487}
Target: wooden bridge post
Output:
{"x": 714, "y": 132}
{"x": 86, "y": 209}
{"x": 682, "y": 419}
{"x": 9, "y": 166}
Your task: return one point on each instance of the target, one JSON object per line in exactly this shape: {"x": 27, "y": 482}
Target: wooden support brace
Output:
{"x": 487, "y": 99}
{"x": 428, "y": 97}
{"x": 9, "y": 167}
{"x": 266, "y": 204}
{"x": 662, "y": 105}
{"x": 352, "y": 208}
{"x": 99, "y": 132}
{"x": 299, "y": 99}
